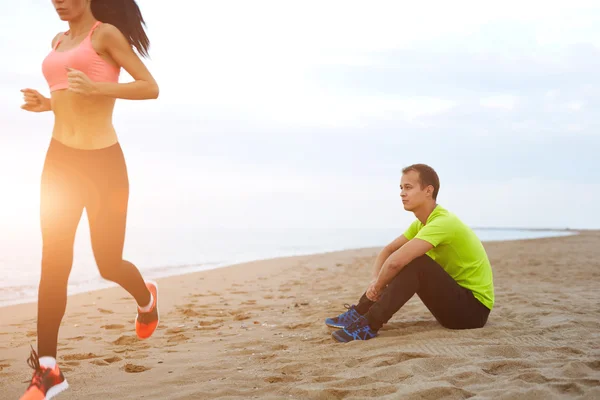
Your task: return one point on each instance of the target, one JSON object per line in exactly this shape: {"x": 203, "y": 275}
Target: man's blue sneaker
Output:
{"x": 358, "y": 330}
{"x": 345, "y": 319}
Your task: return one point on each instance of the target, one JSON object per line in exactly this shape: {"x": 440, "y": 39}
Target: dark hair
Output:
{"x": 127, "y": 17}
{"x": 427, "y": 176}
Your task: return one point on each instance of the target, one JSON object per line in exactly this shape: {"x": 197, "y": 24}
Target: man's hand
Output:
{"x": 373, "y": 292}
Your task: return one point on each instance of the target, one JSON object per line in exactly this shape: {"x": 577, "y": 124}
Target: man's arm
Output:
{"x": 386, "y": 253}
{"x": 395, "y": 262}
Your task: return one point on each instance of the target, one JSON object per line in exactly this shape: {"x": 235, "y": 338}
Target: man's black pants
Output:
{"x": 452, "y": 305}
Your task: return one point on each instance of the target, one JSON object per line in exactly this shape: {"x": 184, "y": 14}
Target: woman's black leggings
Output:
{"x": 452, "y": 305}
{"x": 74, "y": 179}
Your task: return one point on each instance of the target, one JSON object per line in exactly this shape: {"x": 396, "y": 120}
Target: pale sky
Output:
{"x": 273, "y": 113}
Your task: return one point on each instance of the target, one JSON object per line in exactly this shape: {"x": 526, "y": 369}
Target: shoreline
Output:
{"x": 206, "y": 268}
{"x": 110, "y": 285}
{"x": 256, "y": 330}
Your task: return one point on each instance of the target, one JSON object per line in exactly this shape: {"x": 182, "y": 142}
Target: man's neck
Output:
{"x": 423, "y": 212}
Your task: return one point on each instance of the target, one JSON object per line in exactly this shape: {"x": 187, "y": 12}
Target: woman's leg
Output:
{"x": 452, "y": 305}
{"x": 106, "y": 206}
{"x": 61, "y": 206}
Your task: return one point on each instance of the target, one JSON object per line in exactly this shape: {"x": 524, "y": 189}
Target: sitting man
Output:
{"x": 438, "y": 257}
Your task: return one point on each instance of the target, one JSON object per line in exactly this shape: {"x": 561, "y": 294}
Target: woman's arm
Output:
{"x": 113, "y": 43}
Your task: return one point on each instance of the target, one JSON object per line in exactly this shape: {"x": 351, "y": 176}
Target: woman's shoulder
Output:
{"x": 56, "y": 38}
{"x": 104, "y": 28}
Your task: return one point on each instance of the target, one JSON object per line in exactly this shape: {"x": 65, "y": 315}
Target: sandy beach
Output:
{"x": 256, "y": 330}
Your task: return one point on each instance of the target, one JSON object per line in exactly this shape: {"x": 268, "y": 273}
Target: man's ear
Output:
{"x": 430, "y": 190}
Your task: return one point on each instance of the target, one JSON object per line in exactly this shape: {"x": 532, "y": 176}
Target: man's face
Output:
{"x": 411, "y": 193}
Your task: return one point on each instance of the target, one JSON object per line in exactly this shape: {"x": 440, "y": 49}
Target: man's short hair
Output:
{"x": 427, "y": 176}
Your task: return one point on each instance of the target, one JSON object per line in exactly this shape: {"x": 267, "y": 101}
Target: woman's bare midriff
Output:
{"x": 83, "y": 122}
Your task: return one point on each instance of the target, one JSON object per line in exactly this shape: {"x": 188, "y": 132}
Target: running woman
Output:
{"x": 85, "y": 167}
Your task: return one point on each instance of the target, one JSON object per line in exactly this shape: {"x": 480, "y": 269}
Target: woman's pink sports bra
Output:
{"x": 83, "y": 58}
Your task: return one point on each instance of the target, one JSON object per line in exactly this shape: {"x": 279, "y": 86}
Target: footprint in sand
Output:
{"x": 133, "y": 368}
{"x": 280, "y": 379}
{"x": 324, "y": 379}
{"x": 133, "y": 349}
{"x": 266, "y": 356}
{"x": 72, "y": 363}
{"x": 188, "y": 312}
{"x": 240, "y": 316}
{"x": 209, "y": 328}
{"x": 103, "y": 311}
{"x": 79, "y": 356}
{"x": 76, "y": 338}
{"x": 176, "y": 335}
{"x": 214, "y": 324}
{"x": 248, "y": 302}
{"x": 299, "y": 326}
{"x": 174, "y": 331}
{"x": 125, "y": 340}
{"x": 505, "y": 367}
{"x": 180, "y": 338}
{"x": 238, "y": 292}
{"x": 595, "y": 365}
{"x": 113, "y": 326}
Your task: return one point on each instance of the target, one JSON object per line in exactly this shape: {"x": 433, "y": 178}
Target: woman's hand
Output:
{"x": 80, "y": 83}
{"x": 34, "y": 101}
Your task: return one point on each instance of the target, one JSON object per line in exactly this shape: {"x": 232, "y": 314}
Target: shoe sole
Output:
{"x": 335, "y": 326}
{"x": 341, "y": 340}
{"x": 157, "y": 313}
{"x": 56, "y": 389}
{"x": 337, "y": 339}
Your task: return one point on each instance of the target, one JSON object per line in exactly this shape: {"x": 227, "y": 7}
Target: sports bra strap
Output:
{"x": 62, "y": 35}
{"x": 94, "y": 27}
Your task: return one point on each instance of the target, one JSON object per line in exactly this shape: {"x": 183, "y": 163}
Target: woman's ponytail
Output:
{"x": 127, "y": 17}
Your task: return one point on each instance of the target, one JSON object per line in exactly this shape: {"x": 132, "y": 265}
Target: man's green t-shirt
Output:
{"x": 458, "y": 250}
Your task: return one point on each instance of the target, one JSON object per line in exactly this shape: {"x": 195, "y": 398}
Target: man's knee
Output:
{"x": 416, "y": 265}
